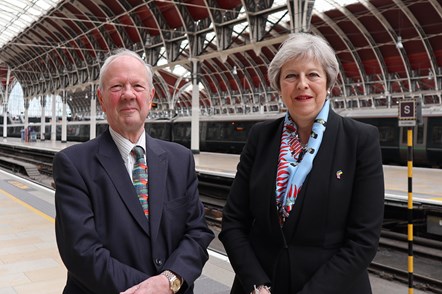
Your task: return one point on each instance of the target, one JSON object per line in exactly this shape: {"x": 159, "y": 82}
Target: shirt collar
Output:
{"x": 124, "y": 145}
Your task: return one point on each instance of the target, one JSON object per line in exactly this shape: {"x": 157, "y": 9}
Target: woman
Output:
{"x": 305, "y": 210}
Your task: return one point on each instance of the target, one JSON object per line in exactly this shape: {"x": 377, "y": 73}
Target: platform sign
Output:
{"x": 407, "y": 113}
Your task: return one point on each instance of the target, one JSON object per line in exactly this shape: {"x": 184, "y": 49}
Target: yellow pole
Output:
{"x": 410, "y": 208}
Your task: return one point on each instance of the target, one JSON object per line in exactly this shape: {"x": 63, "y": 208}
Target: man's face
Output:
{"x": 126, "y": 96}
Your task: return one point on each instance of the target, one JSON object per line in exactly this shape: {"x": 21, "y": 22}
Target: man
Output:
{"x": 107, "y": 241}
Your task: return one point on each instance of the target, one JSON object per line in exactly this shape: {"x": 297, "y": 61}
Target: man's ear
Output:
{"x": 100, "y": 99}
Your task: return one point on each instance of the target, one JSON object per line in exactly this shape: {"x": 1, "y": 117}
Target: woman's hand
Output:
{"x": 261, "y": 290}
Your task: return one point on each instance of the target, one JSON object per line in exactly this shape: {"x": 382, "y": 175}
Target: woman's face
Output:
{"x": 303, "y": 88}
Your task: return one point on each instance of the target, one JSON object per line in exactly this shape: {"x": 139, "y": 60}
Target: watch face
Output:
{"x": 176, "y": 285}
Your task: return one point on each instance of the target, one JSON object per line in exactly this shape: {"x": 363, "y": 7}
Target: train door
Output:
{"x": 419, "y": 145}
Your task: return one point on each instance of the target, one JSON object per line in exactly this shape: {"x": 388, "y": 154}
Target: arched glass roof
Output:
{"x": 325, "y": 5}
{"x": 16, "y": 15}
{"x": 387, "y": 50}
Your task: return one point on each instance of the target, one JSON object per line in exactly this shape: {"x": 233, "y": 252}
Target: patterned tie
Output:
{"x": 140, "y": 178}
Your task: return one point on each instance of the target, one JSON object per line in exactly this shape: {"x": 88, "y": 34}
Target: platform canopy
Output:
{"x": 388, "y": 50}
{"x": 15, "y": 16}
{"x": 18, "y": 14}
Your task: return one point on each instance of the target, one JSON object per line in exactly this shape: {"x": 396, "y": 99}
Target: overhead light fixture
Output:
{"x": 234, "y": 70}
{"x": 430, "y": 74}
{"x": 148, "y": 41}
{"x": 399, "y": 44}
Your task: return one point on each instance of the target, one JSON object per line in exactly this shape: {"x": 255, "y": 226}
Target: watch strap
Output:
{"x": 174, "y": 280}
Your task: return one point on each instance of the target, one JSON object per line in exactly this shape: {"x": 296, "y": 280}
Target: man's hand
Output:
{"x": 154, "y": 285}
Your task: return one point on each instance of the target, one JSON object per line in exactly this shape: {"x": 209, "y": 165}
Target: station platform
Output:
{"x": 30, "y": 263}
{"x": 424, "y": 180}
{"x": 29, "y": 260}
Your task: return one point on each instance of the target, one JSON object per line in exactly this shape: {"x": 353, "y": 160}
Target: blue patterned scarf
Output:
{"x": 295, "y": 161}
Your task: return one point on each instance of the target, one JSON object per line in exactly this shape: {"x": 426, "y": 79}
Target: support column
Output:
{"x": 26, "y": 127}
{"x": 5, "y": 105}
{"x": 64, "y": 119}
{"x": 5, "y": 115}
{"x": 54, "y": 118}
{"x": 43, "y": 118}
{"x": 301, "y": 12}
{"x": 195, "y": 123}
{"x": 93, "y": 120}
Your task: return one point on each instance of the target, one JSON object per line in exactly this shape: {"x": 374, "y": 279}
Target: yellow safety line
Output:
{"x": 22, "y": 203}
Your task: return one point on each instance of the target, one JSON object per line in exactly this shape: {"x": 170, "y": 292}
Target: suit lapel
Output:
{"x": 268, "y": 158}
{"x": 157, "y": 163}
{"x": 110, "y": 158}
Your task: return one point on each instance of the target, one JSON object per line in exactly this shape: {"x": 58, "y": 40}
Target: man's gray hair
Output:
{"x": 124, "y": 52}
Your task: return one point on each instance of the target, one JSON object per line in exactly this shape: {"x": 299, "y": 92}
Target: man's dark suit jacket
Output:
{"x": 332, "y": 233}
{"x": 103, "y": 237}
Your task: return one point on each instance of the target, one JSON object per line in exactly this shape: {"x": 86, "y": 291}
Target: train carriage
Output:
{"x": 228, "y": 134}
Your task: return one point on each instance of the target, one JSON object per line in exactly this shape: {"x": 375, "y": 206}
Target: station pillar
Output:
{"x": 195, "y": 123}
{"x": 43, "y": 118}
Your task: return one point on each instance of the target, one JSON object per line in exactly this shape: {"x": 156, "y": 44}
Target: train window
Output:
{"x": 180, "y": 131}
{"x": 420, "y": 135}
{"x": 159, "y": 130}
{"x": 436, "y": 136}
{"x": 404, "y": 136}
{"x": 386, "y": 135}
{"x": 238, "y": 131}
{"x": 214, "y": 131}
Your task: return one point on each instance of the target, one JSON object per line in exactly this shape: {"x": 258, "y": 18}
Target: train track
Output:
{"x": 420, "y": 282}
{"x": 213, "y": 194}
{"x": 214, "y": 190}
{"x": 427, "y": 252}
{"x": 14, "y": 158}
{"x": 391, "y": 261}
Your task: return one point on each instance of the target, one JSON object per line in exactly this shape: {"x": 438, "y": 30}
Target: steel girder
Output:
{"x": 233, "y": 41}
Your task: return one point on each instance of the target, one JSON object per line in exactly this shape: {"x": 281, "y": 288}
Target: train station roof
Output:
{"x": 19, "y": 14}
{"x": 387, "y": 49}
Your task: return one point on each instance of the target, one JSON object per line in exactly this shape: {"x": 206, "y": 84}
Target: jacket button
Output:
{"x": 158, "y": 261}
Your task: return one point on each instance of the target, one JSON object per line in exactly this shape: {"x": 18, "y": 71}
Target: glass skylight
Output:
{"x": 16, "y": 15}
{"x": 324, "y": 5}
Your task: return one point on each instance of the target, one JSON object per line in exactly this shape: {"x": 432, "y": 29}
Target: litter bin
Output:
{"x": 22, "y": 135}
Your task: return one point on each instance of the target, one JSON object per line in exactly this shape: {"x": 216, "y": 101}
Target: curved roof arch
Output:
{"x": 18, "y": 14}
{"x": 387, "y": 49}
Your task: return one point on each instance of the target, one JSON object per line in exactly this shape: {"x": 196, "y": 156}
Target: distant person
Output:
{"x": 305, "y": 210}
{"x": 110, "y": 240}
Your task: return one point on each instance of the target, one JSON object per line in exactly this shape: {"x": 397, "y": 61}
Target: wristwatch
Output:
{"x": 174, "y": 281}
